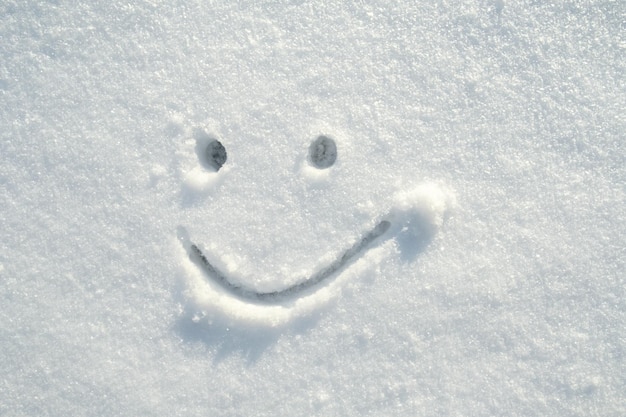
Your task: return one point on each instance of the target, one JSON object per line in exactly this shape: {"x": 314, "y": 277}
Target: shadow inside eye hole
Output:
{"x": 323, "y": 152}
{"x": 215, "y": 154}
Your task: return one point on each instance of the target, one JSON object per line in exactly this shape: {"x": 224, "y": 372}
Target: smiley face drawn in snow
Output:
{"x": 215, "y": 288}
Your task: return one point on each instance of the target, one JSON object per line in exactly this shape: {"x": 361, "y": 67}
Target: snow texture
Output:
{"x": 464, "y": 226}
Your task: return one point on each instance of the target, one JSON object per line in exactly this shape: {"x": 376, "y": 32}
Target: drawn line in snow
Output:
{"x": 413, "y": 219}
{"x": 323, "y": 274}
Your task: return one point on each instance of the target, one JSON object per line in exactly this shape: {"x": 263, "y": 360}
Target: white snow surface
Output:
{"x": 491, "y": 133}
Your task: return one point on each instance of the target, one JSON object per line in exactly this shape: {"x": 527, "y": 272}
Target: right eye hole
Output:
{"x": 215, "y": 154}
{"x": 323, "y": 152}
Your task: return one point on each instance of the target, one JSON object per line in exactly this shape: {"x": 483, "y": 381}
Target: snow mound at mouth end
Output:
{"x": 425, "y": 207}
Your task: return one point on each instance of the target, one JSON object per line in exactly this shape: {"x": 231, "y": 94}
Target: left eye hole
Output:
{"x": 216, "y": 154}
{"x": 323, "y": 152}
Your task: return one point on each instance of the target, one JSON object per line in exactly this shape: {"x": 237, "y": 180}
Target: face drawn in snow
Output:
{"x": 217, "y": 285}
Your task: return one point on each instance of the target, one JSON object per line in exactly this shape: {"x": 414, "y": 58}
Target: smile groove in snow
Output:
{"x": 334, "y": 267}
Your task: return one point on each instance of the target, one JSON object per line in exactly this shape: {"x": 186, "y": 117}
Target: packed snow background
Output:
{"x": 516, "y": 305}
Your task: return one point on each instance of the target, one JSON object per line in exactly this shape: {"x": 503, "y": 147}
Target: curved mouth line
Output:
{"x": 340, "y": 263}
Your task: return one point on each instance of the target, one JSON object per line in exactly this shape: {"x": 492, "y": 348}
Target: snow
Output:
{"x": 490, "y": 134}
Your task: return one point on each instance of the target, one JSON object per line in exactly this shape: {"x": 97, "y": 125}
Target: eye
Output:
{"x": 323, "y": 152}
{"x": 215, "y": 154}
